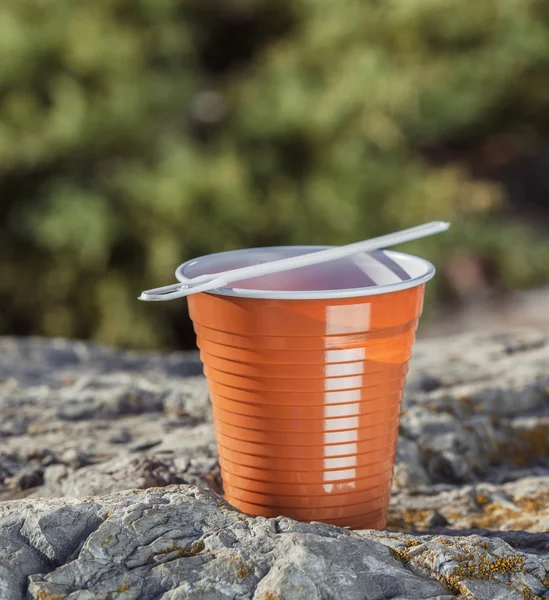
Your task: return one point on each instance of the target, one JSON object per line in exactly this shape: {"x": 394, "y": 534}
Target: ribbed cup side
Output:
{"x": 306, "y": 402}
{"x": 356, "y": 407}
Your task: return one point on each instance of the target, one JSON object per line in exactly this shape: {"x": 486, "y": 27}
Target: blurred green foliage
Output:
{"x": 135, "y": 134}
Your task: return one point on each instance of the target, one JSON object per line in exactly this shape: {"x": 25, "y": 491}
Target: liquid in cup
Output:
{"x": 306, "y": 370}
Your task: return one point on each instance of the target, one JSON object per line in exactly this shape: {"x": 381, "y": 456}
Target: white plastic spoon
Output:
{"x": 213, "y": 281}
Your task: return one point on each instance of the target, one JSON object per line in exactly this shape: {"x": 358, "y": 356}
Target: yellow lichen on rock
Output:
{"x": 484, "y": 567}
{"x": 184, "y": 551}
{"x": 243, "y": 571}
{"x": 410, "y": 519}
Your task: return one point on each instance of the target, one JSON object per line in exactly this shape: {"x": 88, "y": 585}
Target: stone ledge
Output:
{"x": 185, "y": 542}
{"x": 77, "y": 420}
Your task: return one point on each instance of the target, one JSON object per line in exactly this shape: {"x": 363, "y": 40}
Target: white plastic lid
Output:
{"x": 363, "y": 274}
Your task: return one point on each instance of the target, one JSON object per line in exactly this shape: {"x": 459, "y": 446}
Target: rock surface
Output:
{"x": 79, "y": 424}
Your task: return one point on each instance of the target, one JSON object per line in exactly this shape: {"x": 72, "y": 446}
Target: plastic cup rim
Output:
{"x": 315, "y": 294}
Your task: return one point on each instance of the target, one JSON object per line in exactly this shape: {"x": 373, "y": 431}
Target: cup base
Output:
{"x": 376, "y": 519}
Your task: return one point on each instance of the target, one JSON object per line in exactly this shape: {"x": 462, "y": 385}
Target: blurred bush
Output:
{"x": 135, "y": 134}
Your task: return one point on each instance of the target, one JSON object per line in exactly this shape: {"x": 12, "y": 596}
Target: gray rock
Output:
{"x": 184, "y": 542}
{"x": 36, "y": 538}
{"x": 474, "y": 566}
{"x": 518, "y": 505}
{"x": 77, "y": 420}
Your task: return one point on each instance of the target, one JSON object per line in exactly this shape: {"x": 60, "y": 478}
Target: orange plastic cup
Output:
{"x": 259, "y": 467}
{"x": 306, "y": 370}
{"x": 294, "y": 451}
